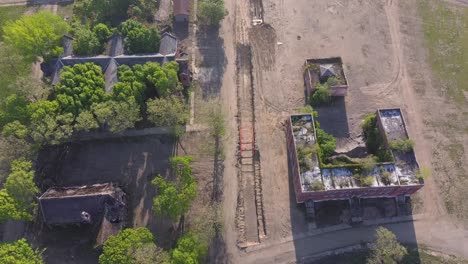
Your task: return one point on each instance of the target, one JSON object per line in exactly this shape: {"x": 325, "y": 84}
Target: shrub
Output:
{"x": 326, "y": 142}
{"x": 139, "y": 38}
{"x": 211, "y": 12}
{"x": 368, "y": 164}
{"x": 364, "y": 181}
{"x": 402, "y": 145}
{"x": 423, "y": 173}
{"x": 307, "y": 110}
{"x": 316, "y": 185}
{"x": 321, "y": 94}
{"x": 385, "y": 176}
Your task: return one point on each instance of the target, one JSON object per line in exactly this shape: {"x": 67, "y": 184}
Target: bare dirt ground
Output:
{"x": 381, "y": 43}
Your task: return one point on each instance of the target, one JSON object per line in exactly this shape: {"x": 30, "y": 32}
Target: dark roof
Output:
{"x": 61, "y": 206}
{"x": 168, "y": 44}
{"x": 181, "y": 7}
{"x": 110, "y": 75}
{"x": 67, "y": 44}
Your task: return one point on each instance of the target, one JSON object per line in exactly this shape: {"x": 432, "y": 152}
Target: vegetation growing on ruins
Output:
{"x": 374, "y": 141}
{"x": 402, "y": 145}
{"x": 321, "y": 95}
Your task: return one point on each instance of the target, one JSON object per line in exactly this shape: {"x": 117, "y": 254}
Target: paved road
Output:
{"x": 442, "y": 236}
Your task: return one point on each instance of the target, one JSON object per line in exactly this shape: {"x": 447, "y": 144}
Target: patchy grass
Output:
{"x": 9, "y": 13}
{"x": 446, "y": 33}
{"x": 415, "y": 255}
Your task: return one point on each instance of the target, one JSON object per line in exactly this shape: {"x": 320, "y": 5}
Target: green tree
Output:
{"x": 128, "y": 86}
{"x": 80, "y": 87}
{"x": 403, "y": 145}
{"x": 386, "y": 249}
{"x": 15, "y": 129}
{"x": 124, "y": 247}
{"x": 321, "y": 94}
{"x": 85, "y": 122}
{"x": 10, "y": 210}
{"x": 19, "y": 252}
{"x": 12, "y": 66}
{"x": 174, "y": 199}
{"x": 143, "y": 10}
{"x": 102, "y": 32}
{"x": 52, "y": 128}
{"x": 20, "y": 184}
{"x": 117, "y": 115}
{"x": 85, "y": 41}
{"x": 190, "y": 249}
{"x": 14, "y": 108}
{"x": 211, "y": 12}
{"x": 169, "y": 111}
{"x": 104, "y": 11}
{"x": 36, "y": 35}
{"x": 150, "y": 254}
{"x": 138, "y": 38}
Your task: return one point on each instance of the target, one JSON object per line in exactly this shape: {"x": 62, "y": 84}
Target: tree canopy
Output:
{"x": 117, "y": 115}
{"x": 17, "y": 198}
{"x": 190, "y": 249}
{"x": 211, "y": 12}
{"x": 36, "y": 35}
{"x": 169, "y": 111}
{"x": 80, "y": 86}
{"x": 174, "y": 198}
{"x": 19, "y": 252}
{"x": 127, "y": 246}
{"x": 386, "y": 249}
{"x": 138, "y": 38}
{"x": 85, "y": 41}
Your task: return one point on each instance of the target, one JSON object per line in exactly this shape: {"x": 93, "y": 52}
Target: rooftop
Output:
{"x": 82, "y": 204}
{"x": 181, "y": 7}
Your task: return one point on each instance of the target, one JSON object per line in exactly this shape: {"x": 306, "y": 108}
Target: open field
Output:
{"x": 446, "y": 33}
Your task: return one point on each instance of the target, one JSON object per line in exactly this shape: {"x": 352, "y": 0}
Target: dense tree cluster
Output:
{"x": 113, "y": 12}
{"x": 132, "y": 245}
{"x": 190, "y": 249}
{"x": 17, "y": 196}
{"x": 138, "y": 38}
{"x": 174, "y": 198}
{"x": 19, "y": 252}
{"x": 89, "y": 41}
{"x": 37, "y": 35}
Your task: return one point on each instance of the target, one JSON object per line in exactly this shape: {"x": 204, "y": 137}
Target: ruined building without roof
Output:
{"x": 338, "y": 182}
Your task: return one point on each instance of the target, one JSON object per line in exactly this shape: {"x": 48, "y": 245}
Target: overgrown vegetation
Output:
{"x": 89, "y": 41}
{"x": 19, "y": 252}
{"x": 402, "y": 145}
{"x": 327, "y": 143}
{"x": 321, "y": 95}
{"x": 37, "y": 35}
{"x": 139, "y": 39}
{"x": 374, "y": 141}
{"x": 211, "y": 12}
{"x": 174, "y": 198}
{"x": 132, "y": 245}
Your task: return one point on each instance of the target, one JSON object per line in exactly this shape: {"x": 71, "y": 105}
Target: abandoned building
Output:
{"x": 316, "y": 181}
{"x": 101, "y": 205}
{"x": 330, "y": 71}
{"x": 181, "y": 9}
{"x": 168, "y": 51}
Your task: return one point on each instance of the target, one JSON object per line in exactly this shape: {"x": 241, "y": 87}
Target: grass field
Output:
{"x": 10, "y": 13}
{"x": 446, "y": 33}
{"x": 415, "y": 256}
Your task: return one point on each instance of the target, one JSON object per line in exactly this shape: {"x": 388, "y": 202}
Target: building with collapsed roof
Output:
{"x": 110, "y": 63}
{"x": 320, "y": 182}
{"x": 319, "y": 71}
{"x": 100, "y": 205}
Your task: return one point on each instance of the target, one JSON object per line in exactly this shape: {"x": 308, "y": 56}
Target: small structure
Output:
{"x": 101, "y": 205}
{"x": 181, "y": 10}
{"x": 322, "y": 71}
